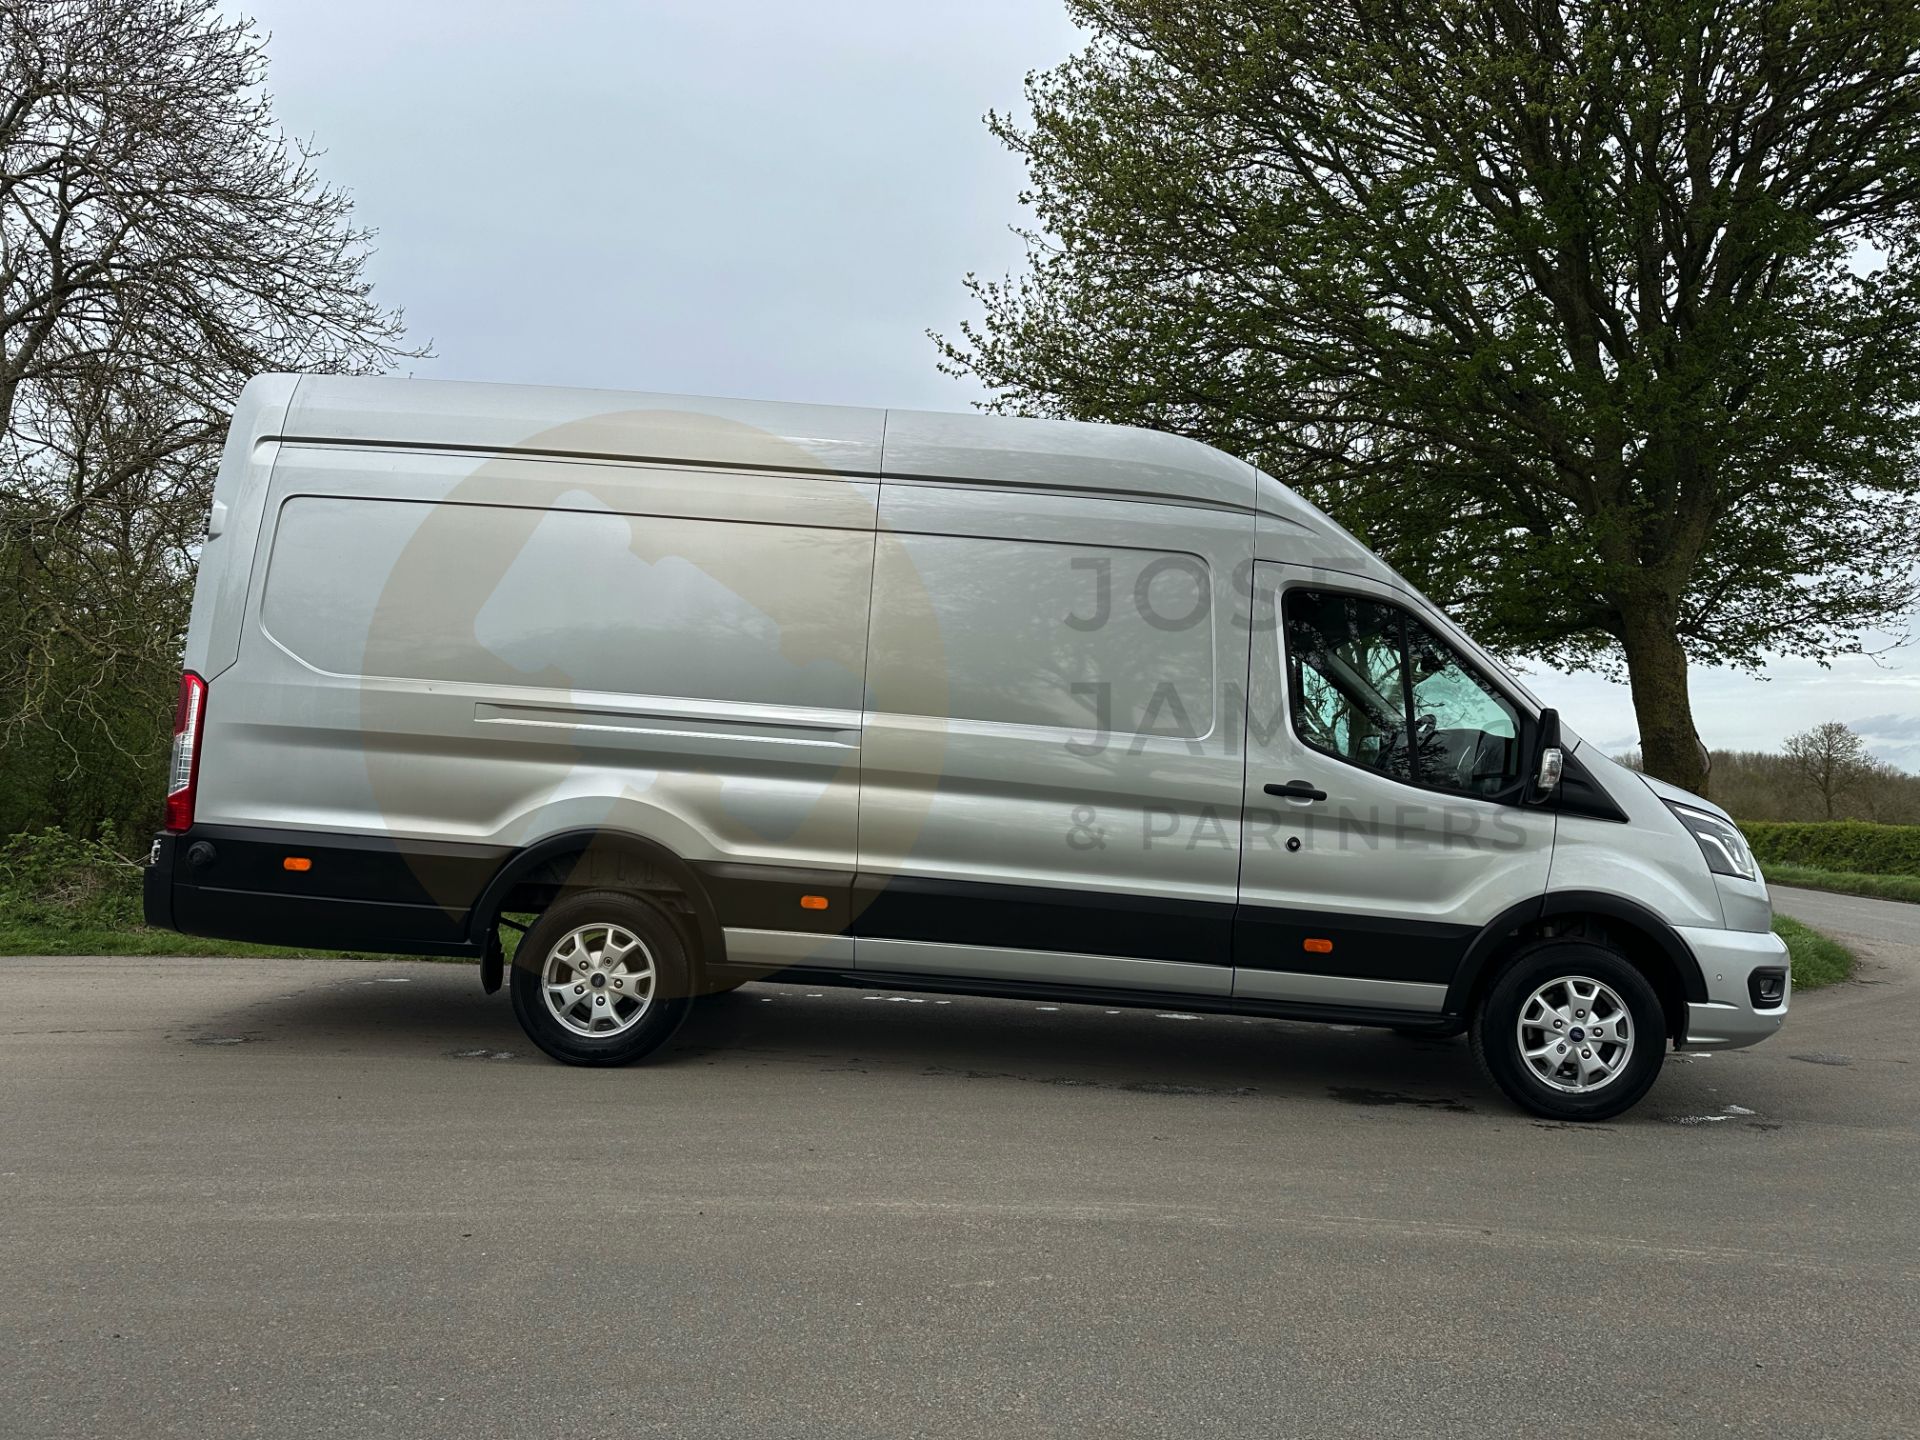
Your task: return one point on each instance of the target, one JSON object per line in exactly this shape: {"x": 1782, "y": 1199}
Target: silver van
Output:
{"x": 720, "y": 691}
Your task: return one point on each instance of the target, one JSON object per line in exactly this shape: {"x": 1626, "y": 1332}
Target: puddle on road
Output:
{"x": 1075, "y": 1082}
{"x": 1361, "y": 1095}
{"x": 1583, "y": 1127}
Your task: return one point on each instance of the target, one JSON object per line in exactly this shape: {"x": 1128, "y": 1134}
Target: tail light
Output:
{"x": 183, "y": 768}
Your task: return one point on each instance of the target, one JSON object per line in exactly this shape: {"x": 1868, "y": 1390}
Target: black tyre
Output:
{"x": 1571, "y": 1030}
{"x": 601, "y": 978}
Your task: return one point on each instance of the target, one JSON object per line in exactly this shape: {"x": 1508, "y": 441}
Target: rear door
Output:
{"x": 1399, "y": 828}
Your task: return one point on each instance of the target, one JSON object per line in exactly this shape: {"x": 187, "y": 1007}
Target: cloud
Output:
{"x": 1888, "y": 727}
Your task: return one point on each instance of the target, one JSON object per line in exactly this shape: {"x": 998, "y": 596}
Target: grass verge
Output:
{"x": 139, "y": 940}
{"x": 1817, "y": 959}
{"x": 1843, "y": 882}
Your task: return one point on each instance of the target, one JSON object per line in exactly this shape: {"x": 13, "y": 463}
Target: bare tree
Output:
{"x": 1829, "y": 760}
{"x": 160, "y": 242}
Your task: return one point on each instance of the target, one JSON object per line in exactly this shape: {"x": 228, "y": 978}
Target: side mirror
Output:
{"x": 1549, "y": 759}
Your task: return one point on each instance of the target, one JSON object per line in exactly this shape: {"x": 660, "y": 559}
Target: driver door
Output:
{"x": 1398, "y": 829}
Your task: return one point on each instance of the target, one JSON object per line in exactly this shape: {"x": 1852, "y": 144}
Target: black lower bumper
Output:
{"x": 353, "y": 893}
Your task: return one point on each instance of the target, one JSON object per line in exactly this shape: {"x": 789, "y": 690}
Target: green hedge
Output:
{"x": 53, "y": 879}
{"x": 1838, "y": 845}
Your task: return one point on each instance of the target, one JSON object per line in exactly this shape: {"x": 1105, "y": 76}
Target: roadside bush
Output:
{"x": 1838, "y": 845}
{"x": 57, "y": 881}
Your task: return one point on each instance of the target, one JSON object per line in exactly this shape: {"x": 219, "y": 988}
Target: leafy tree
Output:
{"x": 1830, "y": 760}
{"x": 1599, "y": 318}
{"x": 160, "y": 243}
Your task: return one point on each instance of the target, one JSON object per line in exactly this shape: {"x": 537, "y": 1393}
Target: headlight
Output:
{"x": 1720, "y": 841}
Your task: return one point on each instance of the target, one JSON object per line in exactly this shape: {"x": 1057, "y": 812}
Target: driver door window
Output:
{"x": 1370, "y": 685}
{"x": 1346, "y": 672}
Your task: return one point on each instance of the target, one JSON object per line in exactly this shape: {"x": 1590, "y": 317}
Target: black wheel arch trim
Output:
{"x": 528, "y": 859}
{"x": 1665, "y": 938}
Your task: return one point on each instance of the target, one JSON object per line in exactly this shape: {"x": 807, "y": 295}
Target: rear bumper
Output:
{"x": 358, "y": 893}
{"x": 1728, "y": 1018}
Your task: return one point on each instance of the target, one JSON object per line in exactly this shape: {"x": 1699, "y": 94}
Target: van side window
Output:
{"x": 1364, "y": 676}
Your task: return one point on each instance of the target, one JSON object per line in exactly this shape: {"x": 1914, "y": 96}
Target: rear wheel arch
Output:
{"x": 578, "y": 860}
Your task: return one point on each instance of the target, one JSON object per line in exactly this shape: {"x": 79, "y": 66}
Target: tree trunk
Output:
{"x": 1657, "y": 671}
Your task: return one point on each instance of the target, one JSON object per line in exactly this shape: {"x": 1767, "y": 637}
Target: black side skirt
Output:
{"x": 1111, "y": 999}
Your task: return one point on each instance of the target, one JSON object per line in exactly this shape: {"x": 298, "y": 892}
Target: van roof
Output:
{"x": 1020, "y": 453}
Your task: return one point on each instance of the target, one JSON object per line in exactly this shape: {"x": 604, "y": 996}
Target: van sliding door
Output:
{"x": 1052, "y": 758}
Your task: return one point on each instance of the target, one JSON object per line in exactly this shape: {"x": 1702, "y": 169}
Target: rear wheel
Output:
{"x": 601, "y": 978}
{"x": 1571, "y": 1030}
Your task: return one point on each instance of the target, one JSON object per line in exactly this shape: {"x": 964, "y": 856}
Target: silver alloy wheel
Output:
{"x": 1576, "y": 1034}
{"x": 598, "y": 980}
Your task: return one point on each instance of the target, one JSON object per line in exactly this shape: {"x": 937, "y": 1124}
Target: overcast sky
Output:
{"x": 773, "y": 200}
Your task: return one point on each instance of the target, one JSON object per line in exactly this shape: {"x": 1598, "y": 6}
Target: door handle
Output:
{"x": 1297, "y": 790}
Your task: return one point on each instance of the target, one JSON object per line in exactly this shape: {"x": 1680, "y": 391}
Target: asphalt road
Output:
{"x": 302, "y": 1198}
{"x": 1850, "y": 916}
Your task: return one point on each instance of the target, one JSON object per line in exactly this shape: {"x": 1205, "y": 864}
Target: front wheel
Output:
{"x": 1571, "y": 1030}
{"x": 601, "y": 978}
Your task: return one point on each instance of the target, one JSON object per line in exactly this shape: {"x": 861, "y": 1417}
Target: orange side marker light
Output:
{"x": 1317, "y": 946}
{"x": 296, "y": 862}
{"x": 813, "y": 902}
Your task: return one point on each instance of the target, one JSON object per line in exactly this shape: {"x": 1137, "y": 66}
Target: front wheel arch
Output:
{"x": 1645, "y": 940}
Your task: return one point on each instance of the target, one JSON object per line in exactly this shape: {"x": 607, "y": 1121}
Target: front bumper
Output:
{"x": 1728, "y": 1018}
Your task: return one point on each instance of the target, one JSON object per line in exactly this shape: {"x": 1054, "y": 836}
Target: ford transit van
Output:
{"x": 707, "y": 691}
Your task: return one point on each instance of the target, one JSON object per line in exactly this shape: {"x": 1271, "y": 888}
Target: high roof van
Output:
{"x": 701, "y": 692}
